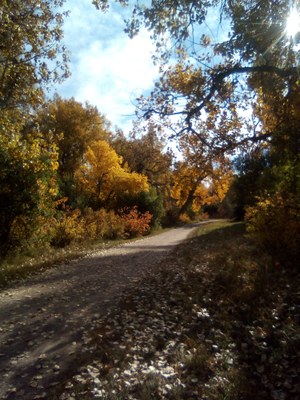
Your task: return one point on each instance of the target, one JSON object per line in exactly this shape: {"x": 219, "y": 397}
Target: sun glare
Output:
{"x": 293, "y": 23}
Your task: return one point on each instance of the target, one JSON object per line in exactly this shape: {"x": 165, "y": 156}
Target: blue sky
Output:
{"x": 108, "y": 69}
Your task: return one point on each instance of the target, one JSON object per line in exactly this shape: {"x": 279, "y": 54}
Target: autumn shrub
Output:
{"x": 67, "y": 227}
{"x": 107, "y": 224}
{"x": 274, "y": 223}
{"x": 94, "y": 223}
{"x": 184, "y": 218}
{"x": 114, "y": 226}
{"x": 145, "y": 201}
{"x": 102, "y": 224}
{"x": 135, "y": 222}
{"x": 21, "y": 232}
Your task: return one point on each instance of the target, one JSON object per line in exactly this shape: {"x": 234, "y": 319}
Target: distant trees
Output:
{"x": 144, "y": 152}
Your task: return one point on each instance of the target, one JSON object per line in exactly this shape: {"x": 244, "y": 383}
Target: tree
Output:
{"x": 72, "y": 127}
{"x": 250, "y": 180}
{"x": 102, "y": 177}
{"x": 31, "y": 53}
{"x": 144, "y": 153}
{"x": 213, "y": 81}
{"x": 195, "y": 187}
{"x": 31, "y": 58}
{"x": 27, "y": 187}
{"x": 201, "y": 175}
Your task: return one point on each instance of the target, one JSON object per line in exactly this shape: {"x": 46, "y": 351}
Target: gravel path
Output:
{"x": 43, "y": 319}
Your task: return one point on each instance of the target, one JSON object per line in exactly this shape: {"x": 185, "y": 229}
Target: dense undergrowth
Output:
{"x": 216, "y": 321}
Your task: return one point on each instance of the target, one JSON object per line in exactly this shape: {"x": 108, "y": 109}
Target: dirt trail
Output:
{"x": 42, "y": 319}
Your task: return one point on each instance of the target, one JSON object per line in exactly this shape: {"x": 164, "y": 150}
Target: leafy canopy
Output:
{"x": 212, "y": 81}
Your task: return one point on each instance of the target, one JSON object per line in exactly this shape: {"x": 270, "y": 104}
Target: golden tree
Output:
{"x": 103, "y": 178}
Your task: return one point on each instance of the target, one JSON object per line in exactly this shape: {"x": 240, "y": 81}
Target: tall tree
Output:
{"x": 232, "y": 91}
{"x": 32, "y": 57}
{"x": 27, "y": 186}
{"x": 72, "y": 126}
{"x": 144, "y": 152}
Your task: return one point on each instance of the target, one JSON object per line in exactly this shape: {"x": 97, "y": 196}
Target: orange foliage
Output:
{"x": 136, "y": 223}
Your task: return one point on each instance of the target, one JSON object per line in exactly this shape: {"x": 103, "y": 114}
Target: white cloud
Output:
{"x": 107, "y": 67}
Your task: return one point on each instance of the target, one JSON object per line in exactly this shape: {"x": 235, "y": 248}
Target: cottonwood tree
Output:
{"x": 102, "y": 177}
{"x": 201, "y": 178}
{"x": 211, "y": 81}
{"x": 232, "y": 89}
{"x": 145, "y": 152}
{"x": 72, "y": 126}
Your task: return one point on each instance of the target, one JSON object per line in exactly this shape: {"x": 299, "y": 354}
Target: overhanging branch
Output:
{"x": 219, "y": 77}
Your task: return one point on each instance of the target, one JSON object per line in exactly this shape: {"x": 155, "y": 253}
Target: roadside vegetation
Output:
{"x": 216, "y": 321}
{"x": 219, "y": 322}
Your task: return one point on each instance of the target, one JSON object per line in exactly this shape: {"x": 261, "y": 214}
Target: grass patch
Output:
{"x": 218, "y": 229}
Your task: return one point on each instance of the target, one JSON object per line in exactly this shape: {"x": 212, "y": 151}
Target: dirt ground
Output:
{"x": 43, "y": 318}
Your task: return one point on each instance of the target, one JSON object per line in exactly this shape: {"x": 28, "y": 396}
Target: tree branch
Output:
{"x": 218, "y": 78}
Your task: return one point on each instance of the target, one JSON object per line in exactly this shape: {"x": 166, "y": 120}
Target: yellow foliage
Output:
{"x": 201, "y": 197}
{"x": 191, "y": 185}
{"x": 218, "y": 187}
{"x": 184, "y": 179}
{"x": 184, "y": 218}
{"x": 102, "y": 224}
{"x": 185, "y": 79}
{"x": 37, "y": 159}
{"x": 102, "y": 174}
{"x": 67, "y": 227}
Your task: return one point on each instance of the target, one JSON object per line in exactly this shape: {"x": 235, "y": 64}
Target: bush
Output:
{"x": 145, "y": 201}
{"x": 184, "y": 218}
{"x": 114, "y": 226}
{"x": 274, "y": 222}
{"x": 102, "y": 224}
{"x": 67, "y": 227}
{"x": 135, "y": 222}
